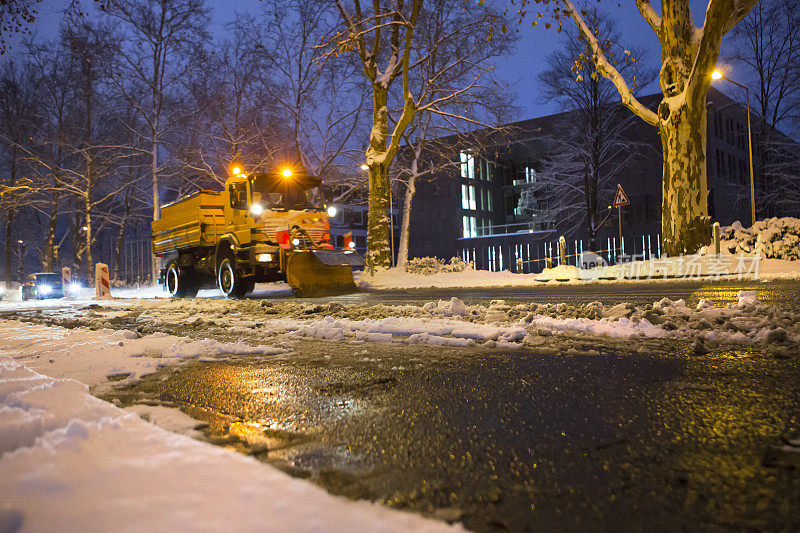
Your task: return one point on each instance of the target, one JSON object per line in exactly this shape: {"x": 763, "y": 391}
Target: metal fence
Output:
{"x": 136, "y": 261}
{"x": 533, "y": 256}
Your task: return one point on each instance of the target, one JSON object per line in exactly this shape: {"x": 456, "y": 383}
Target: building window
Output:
{"x": 468, "y": 197}
{"x": 467, "y": 165}
{"x": 469, "y": 227}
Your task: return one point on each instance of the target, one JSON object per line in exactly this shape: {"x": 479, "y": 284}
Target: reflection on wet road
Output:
{"x": 655, "y": 438}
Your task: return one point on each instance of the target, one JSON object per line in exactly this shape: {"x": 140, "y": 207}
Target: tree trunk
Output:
{"x": 684, "y": 207}
{"x": 9, "y": 246}
{"x": 118, "y": 250}
{"x": 405, "y": 225}
{"x": 88, "y": 235}
{"x": 378, "y": 252}
{"x": 154, "y": 263}
{"x": 49, "y": 255}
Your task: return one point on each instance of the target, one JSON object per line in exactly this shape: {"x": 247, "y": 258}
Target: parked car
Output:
{"x": 42, "y": 285}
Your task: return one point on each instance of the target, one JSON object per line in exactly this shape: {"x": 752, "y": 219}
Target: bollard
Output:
{"x": 102, "y": 284}
{"x": 716, "y": 239}
{"x": 66, "y": 281}
{"x": 562, "y": 250}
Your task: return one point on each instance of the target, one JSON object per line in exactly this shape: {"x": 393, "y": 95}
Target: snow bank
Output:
{"x": 667, "y": 269}
{"x": 453, "y": 323}
{"x": 94, "y": 356}
{"x": 774, "y": 238}
{"x": 75, "y": 463}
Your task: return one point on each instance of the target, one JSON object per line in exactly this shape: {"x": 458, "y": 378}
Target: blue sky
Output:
{"x": 520, "y": 68}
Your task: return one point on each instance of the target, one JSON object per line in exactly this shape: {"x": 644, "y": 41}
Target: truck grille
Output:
{"x": 315, "y": 232}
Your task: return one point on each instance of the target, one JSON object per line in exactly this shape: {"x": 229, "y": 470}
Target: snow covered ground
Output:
{"x": 72, "y": 462}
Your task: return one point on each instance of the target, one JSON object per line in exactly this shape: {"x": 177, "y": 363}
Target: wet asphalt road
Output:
{"x": 646, "y": 435}
{"x": 659, "y": 439}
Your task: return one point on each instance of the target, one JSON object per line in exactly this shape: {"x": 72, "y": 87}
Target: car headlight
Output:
{"x": 256, "y": 209}
{"x": 45, "y": 289}
{"x": 332, "y": 211}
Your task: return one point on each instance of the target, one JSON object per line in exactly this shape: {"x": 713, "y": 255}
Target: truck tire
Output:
{"x": 230, "y": 280}
{"x": 180, "y": 282}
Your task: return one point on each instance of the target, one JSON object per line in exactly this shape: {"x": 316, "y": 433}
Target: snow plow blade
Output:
{"x": 322, "y": 272}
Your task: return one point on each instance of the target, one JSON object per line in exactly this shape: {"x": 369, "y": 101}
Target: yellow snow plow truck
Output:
{"x": 263, "y": 227}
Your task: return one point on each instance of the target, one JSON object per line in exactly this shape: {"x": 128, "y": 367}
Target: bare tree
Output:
{"x": 162, "y": 39}
{"x": 17, "y": 104}
{"x": 458, "y": 70}
{"x": 55, "y": 67}
{"x": 767, "y": 44}
{"x": 390, "y": 44}
{"x": 688, "y": 56}
{"x": 590, "y": 147}
{"x": 320, "y": 95}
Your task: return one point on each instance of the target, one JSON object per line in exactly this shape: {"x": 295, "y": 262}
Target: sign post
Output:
{"x": 101, "y": 281}
{"x": 620, "y": 199}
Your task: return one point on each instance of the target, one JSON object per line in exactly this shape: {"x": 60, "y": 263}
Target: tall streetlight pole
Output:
{"x": 717, "y": 75}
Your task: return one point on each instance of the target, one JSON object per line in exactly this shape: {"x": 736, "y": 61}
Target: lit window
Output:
{"x": 467, "y": 165}
{"x": 472, "y": 197}
{"x": 472, "y": 231}
{"x": 464, "y": 197}
{"x": 465, "y": 226}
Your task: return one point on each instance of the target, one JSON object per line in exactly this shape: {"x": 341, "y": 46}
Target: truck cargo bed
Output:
{"x": 192, "y": 221}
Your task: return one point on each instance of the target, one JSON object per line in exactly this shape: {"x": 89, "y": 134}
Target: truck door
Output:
{"x": 240, "y": 221}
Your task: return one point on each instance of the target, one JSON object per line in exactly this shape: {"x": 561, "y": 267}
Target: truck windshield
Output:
{"x": 293, "y": 193}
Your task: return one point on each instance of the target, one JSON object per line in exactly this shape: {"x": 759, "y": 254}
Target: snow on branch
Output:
{"x": 608, "y": 70}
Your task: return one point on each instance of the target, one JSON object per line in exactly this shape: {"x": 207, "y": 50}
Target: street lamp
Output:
{"x": 717, "y": 75}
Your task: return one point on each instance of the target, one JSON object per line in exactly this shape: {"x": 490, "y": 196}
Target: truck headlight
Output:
{"x": 45, "y": 289}
{"x": 332, "y": 211}
{"x": 351, "y": 245}
{"x": 264, "y": 258}
{"x": 74, "y": 288}
{"x": 296, "y": 241}
{"x": 256, "y": 209}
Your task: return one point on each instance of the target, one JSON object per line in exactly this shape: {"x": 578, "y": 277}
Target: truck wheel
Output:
{"x": 180, "y": 282}
{"x": 230, "y": 280}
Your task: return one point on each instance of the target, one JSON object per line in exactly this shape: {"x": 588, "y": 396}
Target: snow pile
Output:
{"x": 73, "y": 462}
{"x": 774, "y": 238}
{"x": 430, "y": 265}
{"x": 453, "y": 323}
{"x": 561, "y": 272}
{"x": 94, "y": 357}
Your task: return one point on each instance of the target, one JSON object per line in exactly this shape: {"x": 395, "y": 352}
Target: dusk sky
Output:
{"x": 520, "y": 68}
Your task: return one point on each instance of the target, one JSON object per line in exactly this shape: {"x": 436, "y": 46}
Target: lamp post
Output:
{"x": 718, "y": 75}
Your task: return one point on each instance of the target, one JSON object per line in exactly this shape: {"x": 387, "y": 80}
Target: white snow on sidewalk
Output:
{"x": 93, "y": 356}
{"x": 72, "y": 462}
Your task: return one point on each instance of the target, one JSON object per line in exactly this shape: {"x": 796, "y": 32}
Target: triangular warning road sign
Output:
{"x": 620, "y": 198}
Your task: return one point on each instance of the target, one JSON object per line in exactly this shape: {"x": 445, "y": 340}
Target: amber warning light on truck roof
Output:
{"x": 286, "y": 173}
